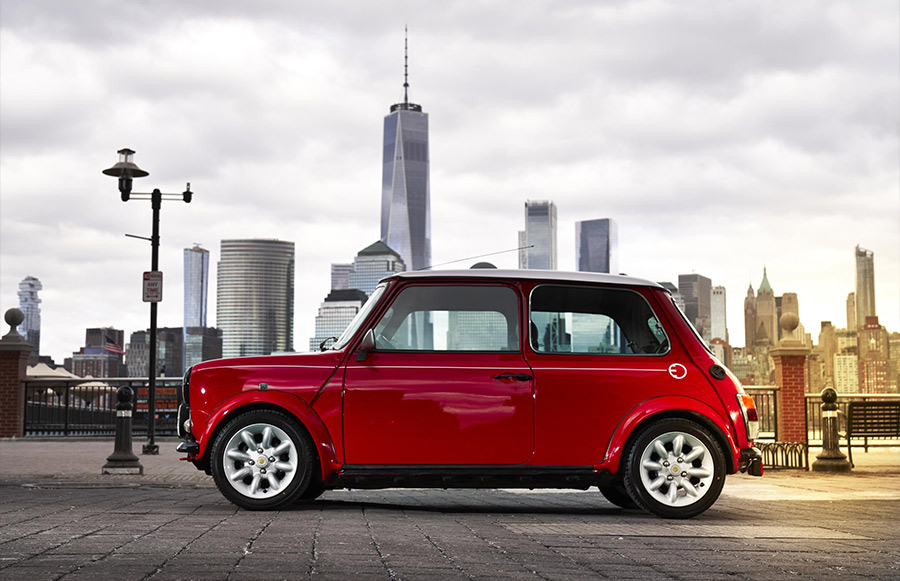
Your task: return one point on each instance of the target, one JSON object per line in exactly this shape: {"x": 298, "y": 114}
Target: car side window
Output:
{"x": 451, "y": 318}
{"x": 593, "y": 320}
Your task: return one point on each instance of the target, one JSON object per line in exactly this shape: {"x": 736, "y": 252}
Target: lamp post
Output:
{"x": 126, "y": 170}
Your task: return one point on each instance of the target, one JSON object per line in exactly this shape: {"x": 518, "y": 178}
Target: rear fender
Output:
{"x": 670, "y": 407}
{"x": 273, "y": 399}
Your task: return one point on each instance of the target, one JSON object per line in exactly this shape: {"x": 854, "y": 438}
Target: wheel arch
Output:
{"x": 681, "y": 408}
{"x": 276, "y": 401}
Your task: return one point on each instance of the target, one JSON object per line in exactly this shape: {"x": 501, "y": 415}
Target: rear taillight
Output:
{"x": 751, "y": 418}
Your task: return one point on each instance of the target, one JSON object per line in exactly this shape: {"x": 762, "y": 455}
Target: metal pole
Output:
{"x": 151, "y": 447}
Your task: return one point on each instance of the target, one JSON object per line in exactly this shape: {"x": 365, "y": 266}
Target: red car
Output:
{"x": 482, "y": 379}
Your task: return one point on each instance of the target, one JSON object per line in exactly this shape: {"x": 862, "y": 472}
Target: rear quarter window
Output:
{"x": 594, "y": 321}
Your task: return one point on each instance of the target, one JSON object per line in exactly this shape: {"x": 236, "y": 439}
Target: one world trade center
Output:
{"x": 405, "y": 189}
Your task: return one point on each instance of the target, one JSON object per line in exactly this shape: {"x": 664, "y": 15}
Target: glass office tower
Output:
{"x": 539, "y": 236}
{"x": 255, "y": 297}
{"x": 597, "y": 246}
{"x": 865, "y": 285}
{"x": 30, "y": 305}
{"x": 405, "y": 189}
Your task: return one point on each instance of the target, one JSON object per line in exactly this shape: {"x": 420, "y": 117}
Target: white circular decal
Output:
{"x": 678, "y": 371}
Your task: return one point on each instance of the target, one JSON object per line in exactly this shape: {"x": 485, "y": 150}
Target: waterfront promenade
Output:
{"x": 61, "y": 519}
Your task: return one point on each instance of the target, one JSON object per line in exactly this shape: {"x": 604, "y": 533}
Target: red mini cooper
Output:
{"x": 482, "y": 379}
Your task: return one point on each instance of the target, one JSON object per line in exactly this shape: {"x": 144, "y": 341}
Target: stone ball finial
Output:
{"x": 14, "y": 317}
{"x": 789, "y": 322}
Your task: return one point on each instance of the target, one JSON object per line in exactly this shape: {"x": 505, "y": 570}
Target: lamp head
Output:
{"x": 125, "y": 170}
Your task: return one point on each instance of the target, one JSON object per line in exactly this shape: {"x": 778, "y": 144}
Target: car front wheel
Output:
{"x": 262, "y": 460}
{"x": 675, "y": 469}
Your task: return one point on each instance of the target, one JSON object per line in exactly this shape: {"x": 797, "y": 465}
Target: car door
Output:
{"x": 446, "y": 383}
{"x": 596, "y": 352}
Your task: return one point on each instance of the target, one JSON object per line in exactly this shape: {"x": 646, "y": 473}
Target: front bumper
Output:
{"x": 751, "y": 461}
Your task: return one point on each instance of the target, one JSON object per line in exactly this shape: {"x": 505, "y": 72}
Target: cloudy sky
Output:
{"x": 723, "y": 137}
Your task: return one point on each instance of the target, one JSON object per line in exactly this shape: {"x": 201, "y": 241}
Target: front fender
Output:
{"x": 287, "y": 402}
{"x": 667, "y": 407}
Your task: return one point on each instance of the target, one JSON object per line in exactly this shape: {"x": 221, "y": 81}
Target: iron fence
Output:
{"x": 87, "y": 407}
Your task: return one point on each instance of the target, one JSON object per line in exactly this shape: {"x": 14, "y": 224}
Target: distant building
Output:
{"x": 894, "y": 363}
{"x": 865, "y": 285}
{"x": 405, "y": 184}
{"x": 335, "y": 314}
{"x": 846, "y": 373}
{"x": 761, "y": 315}
{"x": 340, "y": 276}
{"x": 371, "y": 264}
{"x": 827, "y": 346}
{"x": 538, "y": 240}
{"x": 873, "y": 348}
{"x": 718, "y": 316}
{"x": 851, "y": 311}
{"x": 597, "y": 246}
{"x": 697, "y": 292}
{"x": 255, "y": 297}
{"x": 30, "y": 305}
{"x": 101, "y": 355}
{"x": 199, "y": 342}
{"x": 196, "y": 283}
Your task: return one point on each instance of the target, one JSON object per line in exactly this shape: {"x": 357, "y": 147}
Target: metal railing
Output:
{"x": 87, "y": 407}
{"x": 766, "y": 399}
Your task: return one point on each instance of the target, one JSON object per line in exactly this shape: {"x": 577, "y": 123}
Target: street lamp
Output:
{"x": 126, "y": 170}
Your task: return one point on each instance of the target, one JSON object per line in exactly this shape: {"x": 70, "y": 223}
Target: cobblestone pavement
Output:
{"x": 786, "y": 525}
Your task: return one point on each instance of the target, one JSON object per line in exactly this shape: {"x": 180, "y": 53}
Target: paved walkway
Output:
{"x": 61, "y": 519}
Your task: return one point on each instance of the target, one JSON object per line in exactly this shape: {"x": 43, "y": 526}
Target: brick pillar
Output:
{"x": 790, "y": 376}
{"x": 14, "y": 353}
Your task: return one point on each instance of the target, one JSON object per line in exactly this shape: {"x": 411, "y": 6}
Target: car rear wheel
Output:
{"x": 262, "y": 460}
{"x": 675, "y": 469}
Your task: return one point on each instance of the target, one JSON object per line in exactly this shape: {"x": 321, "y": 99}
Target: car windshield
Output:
{"x": 357, "y": 321}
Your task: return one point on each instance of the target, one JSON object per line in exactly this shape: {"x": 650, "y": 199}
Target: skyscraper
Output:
{"x": 373, "y": 263}
{"x": 766, "y": 313}
{"x": 255, "y": 297}
{"x": 539, "y": 235}
{"x": 335, "y": 314}
{"x": 718, "y": 320}
{"x": 30, "y": 305}
{"x": 196, "y": 282}
{"x": 697, "y": 291}
{"x": 405, "y": 185}
{"x": 865, "y": 285}
{"x": 597, "y": 246}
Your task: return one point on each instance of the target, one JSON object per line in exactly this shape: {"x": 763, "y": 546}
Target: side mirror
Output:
{"x": 367, "y": 344}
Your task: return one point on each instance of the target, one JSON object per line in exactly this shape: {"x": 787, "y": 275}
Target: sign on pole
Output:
{"x": 153, "y": 286}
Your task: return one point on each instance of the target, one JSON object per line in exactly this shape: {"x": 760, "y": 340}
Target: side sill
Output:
{"x": 375, "y": 477}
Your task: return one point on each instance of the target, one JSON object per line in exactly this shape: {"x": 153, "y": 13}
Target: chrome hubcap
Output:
{"x": 260, "y": 461}
{"x": 676, "y": 469}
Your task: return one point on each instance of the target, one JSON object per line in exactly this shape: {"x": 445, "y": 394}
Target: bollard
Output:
{"x": 831, "y": 459}
{"x": 123, "y": 460}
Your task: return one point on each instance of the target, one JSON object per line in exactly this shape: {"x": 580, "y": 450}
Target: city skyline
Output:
{"x": 722, "y": 139}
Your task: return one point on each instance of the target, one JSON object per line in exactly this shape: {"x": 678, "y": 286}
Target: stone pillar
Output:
{"x": 14, "y": 353}
{"x": 790, "y": 376}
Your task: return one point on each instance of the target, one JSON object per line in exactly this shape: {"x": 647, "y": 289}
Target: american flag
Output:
{"x": 112, "y": 347}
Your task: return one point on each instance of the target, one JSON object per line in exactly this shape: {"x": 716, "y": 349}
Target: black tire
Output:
{"x": 312, "y": 492}
{"x": 657, "y": 460}
{"x": 616, "y": 494}
{"x": 274, "y": 474}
